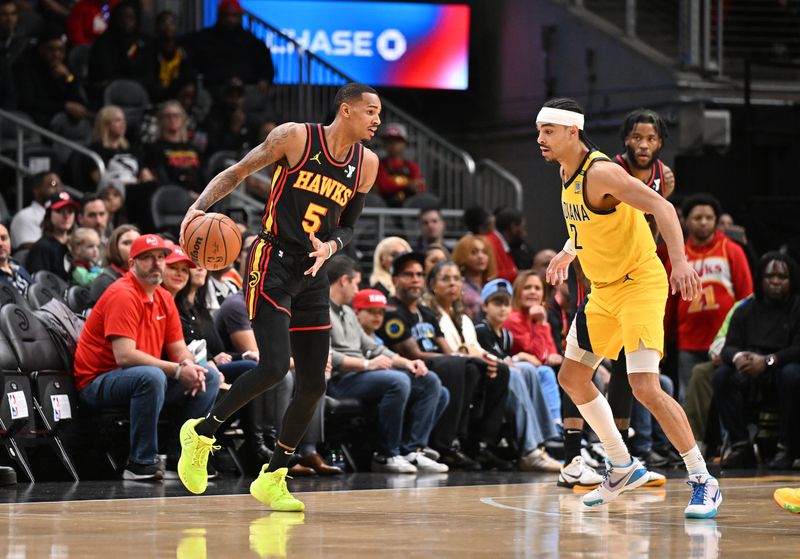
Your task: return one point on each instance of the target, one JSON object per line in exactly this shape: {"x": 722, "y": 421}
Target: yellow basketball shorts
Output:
{"x": 627, "y": 313}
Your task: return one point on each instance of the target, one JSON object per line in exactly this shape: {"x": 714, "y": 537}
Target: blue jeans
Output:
{"x": 549, "y": 385}
{"x": 146, "y": 390}
{"x": 233, "y": 370}
{"x": 687, "y": 360}
{"x": 526, "y": 402}
{"x": 647, "y": 431}
{"x": 407, "y": 405}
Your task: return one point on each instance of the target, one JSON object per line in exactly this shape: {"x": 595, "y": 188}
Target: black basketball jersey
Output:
{"x": 310, "y": 196}
{"x": 656, "y": 180}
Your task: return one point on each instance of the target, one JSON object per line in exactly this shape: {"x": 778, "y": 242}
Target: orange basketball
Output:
{"x": 213, "y": 241}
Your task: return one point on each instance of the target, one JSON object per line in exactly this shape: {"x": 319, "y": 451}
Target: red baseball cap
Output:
{"x": 59, "y": 200}
{"x": 369, "y": 299}
{"x": 230, "y": 6}
{"x": 177, "y": 255}
{"x": 146, "y": 243}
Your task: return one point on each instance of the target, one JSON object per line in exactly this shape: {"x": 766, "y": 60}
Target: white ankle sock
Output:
{"x": 695, "y": 463}
{"x": 597, "y": 413}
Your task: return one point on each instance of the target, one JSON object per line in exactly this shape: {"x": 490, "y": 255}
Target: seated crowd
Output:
{"x": 453, "y": 345}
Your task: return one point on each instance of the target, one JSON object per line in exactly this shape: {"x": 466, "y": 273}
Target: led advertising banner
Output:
{"x": 378, "y": 43}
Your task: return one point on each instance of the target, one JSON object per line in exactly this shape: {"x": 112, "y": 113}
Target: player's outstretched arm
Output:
{"x": 275, "y": 147}
{"x": 614, "y": 181}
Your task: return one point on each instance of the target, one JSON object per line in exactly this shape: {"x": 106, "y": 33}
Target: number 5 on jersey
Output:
{"x": 312, "y": 221}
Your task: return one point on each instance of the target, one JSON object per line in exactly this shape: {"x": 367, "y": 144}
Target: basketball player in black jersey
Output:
{"x": 643, "y": 133}
{"x": 321, "y": 178}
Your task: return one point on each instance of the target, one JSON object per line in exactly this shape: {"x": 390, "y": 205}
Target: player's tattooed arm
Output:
{"x": 272, "y": 149}
{"x": 669, "y": 182}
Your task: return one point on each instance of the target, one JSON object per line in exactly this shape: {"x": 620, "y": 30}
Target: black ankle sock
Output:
{"x": 208, "y": 426}
{"x": 572, "y": 444}
{"x": 280, "y": 458}
{"x": 624, "y": 434}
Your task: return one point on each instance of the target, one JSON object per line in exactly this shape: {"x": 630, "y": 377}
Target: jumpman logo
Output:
{"x": 316, "y": 158}
{"x": 627, "y": 278}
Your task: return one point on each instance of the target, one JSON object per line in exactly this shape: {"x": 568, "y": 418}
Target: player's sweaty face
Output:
{"x": 551, "y": 140}
{"x": 643, "y": 144}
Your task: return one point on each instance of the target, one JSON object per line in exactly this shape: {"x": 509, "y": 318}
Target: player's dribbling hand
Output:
{"x": 190, "y": 215}
{"x": 685, "y": 279}
{"x": 558, "y": 269}
{"x": 321, "y": 253}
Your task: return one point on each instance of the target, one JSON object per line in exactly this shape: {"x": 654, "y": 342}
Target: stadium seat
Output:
{"x": 53, "y": 390}
{"x": 78, "y": 61}
{"x": 20, "y": 256}
{"x": 168, "y": 207}
{"x": 51, "y": 281}
{"x": 131, "y": 97}
{"x": 9, "y": 294}
{"x": 78, "y": 299}
{"x": 219, "y": 161}
{"x": 79, "y": 131}
{"x": 16, "y": 417}
{"x": 39, "y": 294}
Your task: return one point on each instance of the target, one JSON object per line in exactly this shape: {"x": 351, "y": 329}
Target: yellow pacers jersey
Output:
{"x": 609, "y": 243}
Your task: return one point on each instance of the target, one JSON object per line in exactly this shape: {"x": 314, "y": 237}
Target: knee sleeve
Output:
{"x": 582, "y": 356}
{"x": 643, "y": 361}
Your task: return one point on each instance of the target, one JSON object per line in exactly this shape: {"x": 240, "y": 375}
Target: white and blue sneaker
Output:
{"x": 617, "y": 480}
{"x": 706, "y": 497}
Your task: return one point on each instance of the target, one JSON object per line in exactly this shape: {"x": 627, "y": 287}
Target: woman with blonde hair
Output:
{"x": 476, "y": 261}
{"x": 385, "y": 253}
{"x": 110, "y": 143}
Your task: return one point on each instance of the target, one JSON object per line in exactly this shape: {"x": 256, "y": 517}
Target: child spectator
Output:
{"x": 398, "y": 177}
{"x": 526, "y": 399}
{"x": 84, "y": 246}
{"x": 370, "y": 306}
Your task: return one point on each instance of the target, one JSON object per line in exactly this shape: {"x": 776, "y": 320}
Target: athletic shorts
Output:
{"x": 628, "y": 313}
{"x": 276, "y": 277}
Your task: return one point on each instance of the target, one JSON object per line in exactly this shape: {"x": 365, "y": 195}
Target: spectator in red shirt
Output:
{"x": 528, "y": 323}
{"x": 725, "y": 276}
{"x": 509, "y": 232}
{"x": 398, "y": 177}
{"x": 87, "y": 20}
{"x": 118, "y": 358}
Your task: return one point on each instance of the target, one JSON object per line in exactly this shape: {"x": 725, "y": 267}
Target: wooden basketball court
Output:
{"x": 522, "y": 520}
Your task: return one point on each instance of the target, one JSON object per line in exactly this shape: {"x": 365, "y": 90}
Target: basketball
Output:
{"x": 212, "y": 241}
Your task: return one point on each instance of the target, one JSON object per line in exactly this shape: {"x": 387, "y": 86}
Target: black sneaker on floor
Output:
{"x": 741, "y": 455}
{"x": 457, "y": 460}
{"x": 142, "y": 472}
{"x": 782, "y": 460}
{"x": 490, "y": 461}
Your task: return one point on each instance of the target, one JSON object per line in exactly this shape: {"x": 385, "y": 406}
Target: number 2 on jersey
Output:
{"x": 574, "y": 230}
{"x": 312, "y": 221}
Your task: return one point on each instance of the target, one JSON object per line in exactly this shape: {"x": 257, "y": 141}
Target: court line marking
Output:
{"x": 620, "y": 516}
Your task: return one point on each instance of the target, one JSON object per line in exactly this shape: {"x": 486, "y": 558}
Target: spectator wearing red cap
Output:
{"x": 370, "y": 306}
{"x": 409, "y": 398}
{"x": 118, "y": 359}
{"x": 398, "y": 177}
{"x": 227, "y": 51}
{"x": 50, "y": 251}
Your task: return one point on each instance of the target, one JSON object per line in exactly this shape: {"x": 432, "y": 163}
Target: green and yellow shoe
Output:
{"x": 270, "y": 488}
{"x": 788, "y": 498}
{"x": 193, "y": 463}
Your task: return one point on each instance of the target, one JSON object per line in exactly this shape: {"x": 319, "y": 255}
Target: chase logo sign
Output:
{"x": 400, "y": 44}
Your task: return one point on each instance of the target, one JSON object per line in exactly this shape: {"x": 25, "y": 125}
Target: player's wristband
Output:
{"x": 569, "y": 248}
{"x": 330, "y": 250}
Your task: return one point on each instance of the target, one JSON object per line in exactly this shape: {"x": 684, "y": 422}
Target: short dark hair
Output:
{"x": 701, "y": 199}
{"x": 506, "y": 217}
{"x": 349, "y": 93}
{"x": 112, "y": 252}
{"x": 341, "y": 265}
{"x": 645, "y": 116}
{"x": 430, "y": 208}
{"x": 567, "y": 104}
{"x": 88, "y": 199}
{"x": 35, "y": 180}
{"x": 791, "y": 265}
{"x": 474, "y": 218}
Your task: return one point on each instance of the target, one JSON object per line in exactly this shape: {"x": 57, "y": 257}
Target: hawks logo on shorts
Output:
{"x": 255, "y": 278}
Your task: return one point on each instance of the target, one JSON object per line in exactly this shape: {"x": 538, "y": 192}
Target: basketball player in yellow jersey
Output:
{"x": 604, "y": 211}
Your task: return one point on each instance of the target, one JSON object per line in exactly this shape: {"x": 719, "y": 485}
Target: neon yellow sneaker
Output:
{"x": 270, "y": 488}
{"x": 192, "y": 544}
{"x": 193, "y": 463}
{"x": 788, "y": 498}
{"x": 269, "y": 536}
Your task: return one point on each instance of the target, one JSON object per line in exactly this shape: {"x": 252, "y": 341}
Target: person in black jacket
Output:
{"x": 227, "y": 51}
{"x": 44, "y": 84}
{"x": 50, "y": 252}
{"x": 761, "y": 362}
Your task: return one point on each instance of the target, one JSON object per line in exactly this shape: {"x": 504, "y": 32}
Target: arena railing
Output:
{"x": 304, "y": 90}
{"x": 21, "y": 126}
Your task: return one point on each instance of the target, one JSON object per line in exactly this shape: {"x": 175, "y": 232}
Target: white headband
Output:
{"x": 549, "y": 115}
